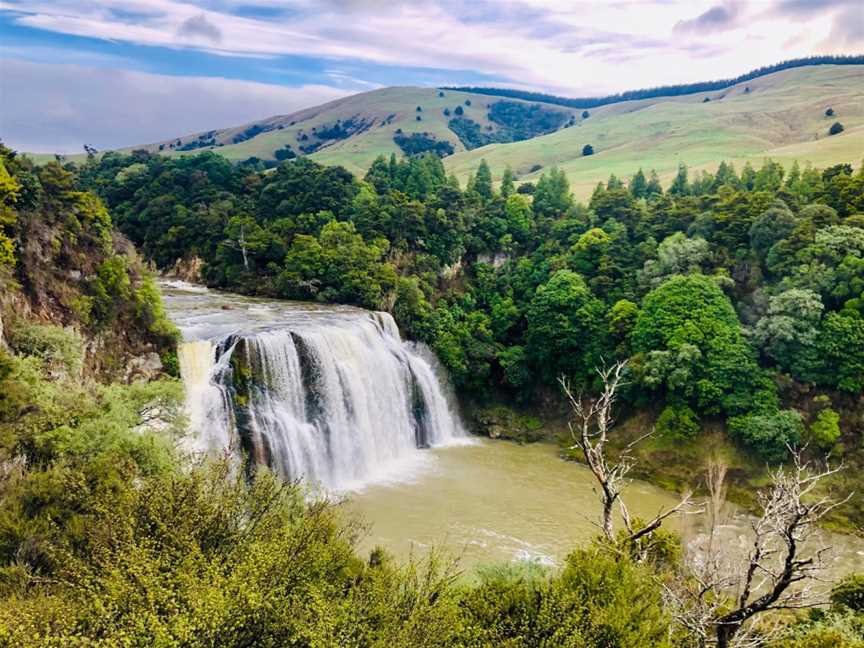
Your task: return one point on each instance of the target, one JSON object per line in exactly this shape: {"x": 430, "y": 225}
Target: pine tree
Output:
{"x": 680, "y": 186}
{"x": 507, "y": 187}
{"x": 654, "y": 187}
{"x": 483, "y": 181}
{"x": 639, "y": 185}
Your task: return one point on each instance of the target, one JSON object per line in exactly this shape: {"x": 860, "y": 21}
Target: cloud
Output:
{"x": 719, "y": 18}
{"x": 809, "y": 7}
{"x": 199, "y": 26}
{"x": 847, "y": 32}
{"x": 554, "y": 45}
{"x": 59, "y": 108}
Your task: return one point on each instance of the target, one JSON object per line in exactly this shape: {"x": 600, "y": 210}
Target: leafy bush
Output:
{"x": 836, "y": 128}
{"x": 849, "y": 593}
{"x": 284, "y": 153}
{"x": 587, "y": 150}
{"x": 770, "y": 435}
{"x": 678, "y": 422}
{"x": 590, "y": 604}
{"x": 825, "y": 430}
{"x": 60, "y": 348}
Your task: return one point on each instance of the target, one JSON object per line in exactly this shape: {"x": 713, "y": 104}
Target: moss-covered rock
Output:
{"x": 501, "y": 422}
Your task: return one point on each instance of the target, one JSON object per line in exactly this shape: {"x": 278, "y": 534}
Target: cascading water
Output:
{"x": 332, "y": 396}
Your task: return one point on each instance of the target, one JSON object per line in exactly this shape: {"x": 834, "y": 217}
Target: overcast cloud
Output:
{"x": 298, "y": 46}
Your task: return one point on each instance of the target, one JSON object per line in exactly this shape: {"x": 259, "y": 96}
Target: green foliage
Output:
{"x": 836, "y": 128}
{"x": 849, "y": 593}
{"x": 337, "y": 266}
{"x": 771, "y": 434}
{"x": 677, "y": 422}
{"x": 825, "y": 429}
{"x": 9, "y": 191}
{"x": 692, "y": 346}
{"x": 591, "y": 603}
{"x": 789, "y": 330}
{"x": 564, "y": 328}
{"x": 61, "y": 349}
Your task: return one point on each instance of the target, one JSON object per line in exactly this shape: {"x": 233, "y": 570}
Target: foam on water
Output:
{"x": 330, "y": 396}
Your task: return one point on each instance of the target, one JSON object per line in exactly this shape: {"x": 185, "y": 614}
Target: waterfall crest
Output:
{"x": 334, "y": 400}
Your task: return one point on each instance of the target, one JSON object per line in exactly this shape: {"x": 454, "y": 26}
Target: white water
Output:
{"x": 333, "y": 395}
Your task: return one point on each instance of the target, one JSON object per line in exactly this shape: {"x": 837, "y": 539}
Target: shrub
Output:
{"x": 587, "y": 150}
{"x": 284, "y": 153}
{"x": 849, "y": 593}
{"x": 419, "y": 108}
{"x": 825, "y": 430}
{"x": 678, "y": 422}
{"x": 459, "y": 110}
{"x": 585, "y": 114}
{"x": 829, "y": 112}
{"x": 770, "y": 434}
{"x": 836, "y": 128}
{"x": 58, "y": 347}
{"x": 467, "y": 102}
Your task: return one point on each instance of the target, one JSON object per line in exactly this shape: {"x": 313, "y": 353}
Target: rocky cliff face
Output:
{"x": 70, "y": 268}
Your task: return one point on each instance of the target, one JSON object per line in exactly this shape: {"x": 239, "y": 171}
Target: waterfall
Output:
{"x": 337, "y": 399}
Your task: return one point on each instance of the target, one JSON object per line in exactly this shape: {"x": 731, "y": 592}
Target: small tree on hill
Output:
{"x": 459, "y": 110}
{"x": 587, "y": 150}
{"x": 829, "y": 112}
{"x": 585, "y": 114}
{"x": 836, "y": 128}
{"x": 419, "y": 108}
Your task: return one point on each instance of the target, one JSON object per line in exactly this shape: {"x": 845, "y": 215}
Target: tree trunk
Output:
{"x": 725, "y": 633}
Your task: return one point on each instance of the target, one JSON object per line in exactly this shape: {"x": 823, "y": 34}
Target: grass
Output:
{"x": 781, "y": 116}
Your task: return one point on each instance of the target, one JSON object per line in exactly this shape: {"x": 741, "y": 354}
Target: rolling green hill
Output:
{"x": 780, "y": 115}
{"x": 354, "y": 130}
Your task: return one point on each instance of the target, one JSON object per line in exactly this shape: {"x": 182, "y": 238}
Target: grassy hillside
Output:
{"x": 781, "y": 116}
{"x": 373, "y": 119}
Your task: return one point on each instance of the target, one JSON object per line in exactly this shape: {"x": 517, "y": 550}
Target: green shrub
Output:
{"x": 60, "y": 348}
{"x": 825, "y": 430}
{"x": 770, "y": 434}
{"x": 678, "y": 422}
{"x": 849, "y": 593}
{"x": 836, "y": 128}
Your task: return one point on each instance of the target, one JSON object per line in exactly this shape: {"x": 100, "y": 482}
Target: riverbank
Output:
{"x": 673, "y": 465}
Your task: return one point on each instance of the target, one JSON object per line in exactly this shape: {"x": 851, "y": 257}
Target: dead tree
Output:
{"x": 589, "y": 427}
{"x": 719, "y": 594}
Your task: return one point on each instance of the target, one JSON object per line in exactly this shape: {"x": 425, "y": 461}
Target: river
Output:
{"x": 374, "y": 398}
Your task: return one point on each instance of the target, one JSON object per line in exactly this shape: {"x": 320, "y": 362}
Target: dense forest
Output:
{"x": 736, "y": 297}
{"x": 662, "y": 91}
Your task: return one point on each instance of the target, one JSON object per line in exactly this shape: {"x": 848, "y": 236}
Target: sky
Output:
{"x": 112, "y": 73}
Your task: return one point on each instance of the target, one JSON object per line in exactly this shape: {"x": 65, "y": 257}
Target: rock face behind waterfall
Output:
{"x": 336, "y": 400}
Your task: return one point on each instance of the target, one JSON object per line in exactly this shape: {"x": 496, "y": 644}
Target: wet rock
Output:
{"x": 501, "y": 422}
